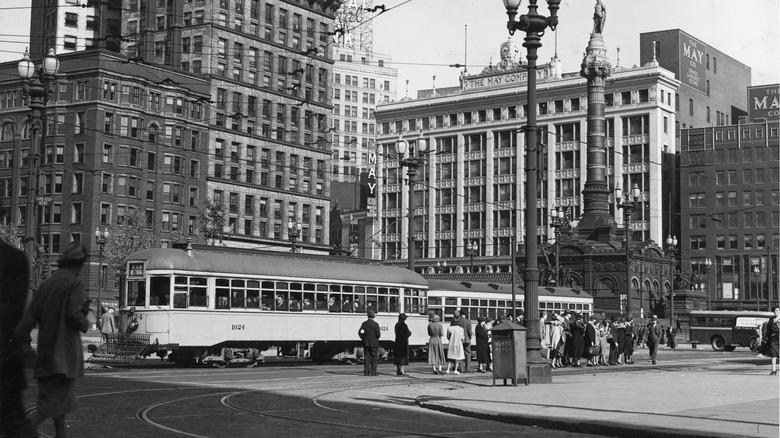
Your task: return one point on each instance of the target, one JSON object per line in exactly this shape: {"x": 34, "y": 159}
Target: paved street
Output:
{"x": 336, "y": 400}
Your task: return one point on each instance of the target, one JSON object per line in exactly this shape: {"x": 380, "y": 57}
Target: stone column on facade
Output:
{"x": 596, "y": 223}
{"x": 490, "y": 181}
{"x": 655, "y": 170}
{"x": 460, "y": 174}
{"x": 430, "y": 168}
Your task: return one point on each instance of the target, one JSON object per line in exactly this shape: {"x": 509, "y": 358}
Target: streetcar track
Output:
{"x": 143, "y": 414}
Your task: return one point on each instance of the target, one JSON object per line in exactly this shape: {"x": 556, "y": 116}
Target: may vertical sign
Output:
{"x": 692, "y": 62}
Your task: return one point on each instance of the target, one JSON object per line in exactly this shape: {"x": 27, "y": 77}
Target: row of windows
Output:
{"x": 731, "y": 242}
{"x": 354, "y": 81}
{"x": 283, "y": 296}
{"x": 730, "y": 177}
{"x": 732, "y": 199}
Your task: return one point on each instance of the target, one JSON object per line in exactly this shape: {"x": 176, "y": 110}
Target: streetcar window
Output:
{"x": 383, "y": 300}
{"x": 361, "y": 303}
{"x": 253, "y": 294}
{"x": 237, "y": 294}
{"x": 282, "y": 297}
{"x": 136, "y": 293}
{"x": 483, "y": 303}
{"x": 434, "y": 301}
{"x": 346, "y": 303}
{"x": 371, "y": 300}
{"x": 180, "y": 292}
{"x": 222, "y": 296}
{"x": 393, "y": 307}
{"x": 334, "y": 303}
{"x": 322, "y": 297}
{"x": 159, "y": 291}
{"x": 295, "y": 303}
{"x": 308, "y": 300}
{"x": 267, "y": 295}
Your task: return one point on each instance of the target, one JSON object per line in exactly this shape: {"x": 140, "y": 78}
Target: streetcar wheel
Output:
{"x": 718, "y": 344}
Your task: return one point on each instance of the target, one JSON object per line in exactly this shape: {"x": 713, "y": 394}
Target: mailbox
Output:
{"x": 509, "y": 355}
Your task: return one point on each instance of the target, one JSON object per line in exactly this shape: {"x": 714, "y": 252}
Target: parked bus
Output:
{"x": 726, "y": 329}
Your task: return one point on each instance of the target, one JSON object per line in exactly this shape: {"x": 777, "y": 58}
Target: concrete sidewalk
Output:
{"x": 727, "y": 400}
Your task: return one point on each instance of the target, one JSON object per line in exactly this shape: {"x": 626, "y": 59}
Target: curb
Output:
{"x": 596, "y": 427}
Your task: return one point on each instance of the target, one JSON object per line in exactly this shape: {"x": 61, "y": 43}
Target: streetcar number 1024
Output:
{"x": 238, "y": 327}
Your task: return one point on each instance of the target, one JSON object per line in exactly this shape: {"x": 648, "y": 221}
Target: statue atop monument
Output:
{"x": 599, "y": 17}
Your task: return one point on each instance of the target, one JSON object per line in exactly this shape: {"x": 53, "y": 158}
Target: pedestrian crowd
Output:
{"x": 570, "y": 339}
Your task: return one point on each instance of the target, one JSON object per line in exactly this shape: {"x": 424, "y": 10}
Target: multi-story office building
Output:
{"x": 361, "y": 81}
{"x": 471, "y": 189}
{"x": 116, "y": 137}
{"x": 712, "y": 83}
{"x": 74, "y": 25}
{"x": 268, "y": 65}
{"x": 731, "y": 206}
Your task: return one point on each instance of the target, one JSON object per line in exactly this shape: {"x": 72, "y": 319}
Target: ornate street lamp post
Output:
{"x": 628, "y": 204}
{"x": 671, "y": 247}
{"x": 294, "y": 232}
{"x": 417, "y": 154}
{"x": 704, "y": 268}
{"x": 558, "y": 220}
{"x": 101, "y": 237}
{"x": 37, "y": 82}
{"x": 472, "y": 249}
{"x": 534, "y": 25}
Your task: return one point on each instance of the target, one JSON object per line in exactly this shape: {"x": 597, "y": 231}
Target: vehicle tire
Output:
{"x": 730, "y": 347}
{"x": 718, "y": 344}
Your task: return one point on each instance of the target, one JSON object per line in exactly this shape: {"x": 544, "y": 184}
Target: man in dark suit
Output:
{"x": 369, "y": 334}
{"x": 468, "y": 334}
{"x": 14, "y": 274}
{"x": 653, "y": 337}
{"x": 61, "y": 311}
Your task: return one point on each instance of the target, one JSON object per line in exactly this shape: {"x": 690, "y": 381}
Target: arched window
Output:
{"x": 26, "y": 131}
{"x": 7, "y": 133}
{"x": 153, "y": 133}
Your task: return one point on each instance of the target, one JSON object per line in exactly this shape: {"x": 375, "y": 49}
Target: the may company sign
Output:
{"x": 692, "y": 62}
{"x": 368, "y": 187}
{"x": 763, "y": 102}
{"x": 503, "y": 80}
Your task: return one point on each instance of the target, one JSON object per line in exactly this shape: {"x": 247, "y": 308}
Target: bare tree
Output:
{"x": 130, "y": 235}
{"x": 10, "y": 235}
{"x": 212, "y": 222}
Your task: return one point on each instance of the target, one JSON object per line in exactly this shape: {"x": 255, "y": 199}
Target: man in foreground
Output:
{"x": 62, "y": 313}
{"x": 369, "y": 333}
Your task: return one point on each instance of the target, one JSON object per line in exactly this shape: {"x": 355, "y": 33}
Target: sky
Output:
{"x": 423, "y": 37}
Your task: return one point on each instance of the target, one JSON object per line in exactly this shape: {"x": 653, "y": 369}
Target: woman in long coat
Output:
{"x": 578, "y": 340}
{"x": 401, "y": 346}
{"x": 455, "y": 349}
{"x": 772, "y": 337}
{"x": 436, "y": 356}
{"x": 628, "y": 341}
{"x": 483, "y": 345}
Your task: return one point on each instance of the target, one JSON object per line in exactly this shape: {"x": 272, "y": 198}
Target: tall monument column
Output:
{"x": 596, "y": 223}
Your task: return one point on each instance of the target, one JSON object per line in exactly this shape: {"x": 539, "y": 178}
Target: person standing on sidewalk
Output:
{"x": 369, "y": 333}
{"x": 401, "y": 346}
{"x": 653, "y": 337}
{"x": 770, "y": 347}
{"x": 107, "y": 326}
{"x": 455, "y": 346}
{"x": 14, "y": 275}
{"x": 436, "y": 356}
{"x": 468, "y": 334}
{"x": 628, "y": 341}
{"x": 62, "y": 313}
{"x": 483, "y": 345}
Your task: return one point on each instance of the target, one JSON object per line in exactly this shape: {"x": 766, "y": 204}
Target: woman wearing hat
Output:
{"x": 401, "y": 346}
{"x": 772, "y": 335}
{"x": 436, "y": 356}
{"x": 483, "y": 345}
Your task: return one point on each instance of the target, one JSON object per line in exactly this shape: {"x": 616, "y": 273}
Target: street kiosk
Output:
{"x": 509, "y": 355}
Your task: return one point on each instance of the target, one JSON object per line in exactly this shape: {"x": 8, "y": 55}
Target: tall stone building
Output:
{"x": 731, "y": 206}
{"x": 116, "y": 137}
{"x": 74, "y": 25}
{"x": 268, "y": 65}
